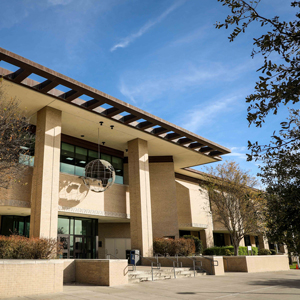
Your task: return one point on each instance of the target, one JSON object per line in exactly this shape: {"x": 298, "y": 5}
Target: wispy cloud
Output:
{"x": 206, "y": 113}
{"x": 129, "y": 39}
{"x": 146, "y": 87}
{"x": 238, "y": 152}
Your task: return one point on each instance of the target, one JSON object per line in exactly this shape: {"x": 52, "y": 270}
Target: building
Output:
{"x": 156, "y": 194}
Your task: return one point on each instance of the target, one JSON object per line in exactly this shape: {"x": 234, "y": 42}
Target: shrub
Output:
{"x": 264, "y": 252}
{"x": 273, "y": 252}
{"x": 169, "y": 246}
{"x": 19, "y": 247}
{"x": 228, "y": 250}
{"x": 197, "y": 241}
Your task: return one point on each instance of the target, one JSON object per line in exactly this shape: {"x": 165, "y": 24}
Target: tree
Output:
{"x": 280, "y": 173}
{"x": 234, "y": 200}
{"x": 15, "y": 139}
{"x": 279, "y": 83}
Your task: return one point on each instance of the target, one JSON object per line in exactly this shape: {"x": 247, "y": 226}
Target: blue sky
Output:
{"x": 163, "y": 56}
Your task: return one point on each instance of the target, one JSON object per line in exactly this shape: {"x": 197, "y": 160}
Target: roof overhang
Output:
{"x": 82, "y": 117}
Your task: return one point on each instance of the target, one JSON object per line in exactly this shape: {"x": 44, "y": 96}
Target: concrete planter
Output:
{"x": 20, "y": 277}
{"x": 257, "y": 263}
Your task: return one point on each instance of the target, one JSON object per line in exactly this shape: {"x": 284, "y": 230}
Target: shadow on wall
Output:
{"x": 71, "y": 193}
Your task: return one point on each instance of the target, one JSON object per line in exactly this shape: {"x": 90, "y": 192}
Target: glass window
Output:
{"x": 74, "y": 159}
{"x": 247, "y": 240}
{"x": 15, "y": 224}
{"x": 63, "y": 226}
{"x": 106, "y": 157}
{"x": 92, "y": 155}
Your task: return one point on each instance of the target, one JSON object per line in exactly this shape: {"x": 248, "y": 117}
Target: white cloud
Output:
{"x": 207, "y": 112}
{"x": 129, "y": 39}
{"x": 143, "y": 87}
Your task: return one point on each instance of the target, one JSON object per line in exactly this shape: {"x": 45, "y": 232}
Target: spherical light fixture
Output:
{"x": 99, "y": 175}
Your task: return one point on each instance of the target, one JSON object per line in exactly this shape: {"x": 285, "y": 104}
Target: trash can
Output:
{"x": 133, "y": 256}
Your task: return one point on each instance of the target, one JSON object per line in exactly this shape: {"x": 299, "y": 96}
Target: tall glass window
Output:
{"x": 15, "y": 225}
{"x": 74, "y": 159}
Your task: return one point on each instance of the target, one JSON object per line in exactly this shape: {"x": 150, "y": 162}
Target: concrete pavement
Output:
{"x": 272, "y": 285}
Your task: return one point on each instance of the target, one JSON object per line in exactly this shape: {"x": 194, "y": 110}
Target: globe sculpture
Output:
{"x": 99, "y": 175}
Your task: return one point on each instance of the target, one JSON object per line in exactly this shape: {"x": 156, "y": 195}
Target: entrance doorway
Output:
{"x": 117, "y": 247}
{"x": 79, "y": 237}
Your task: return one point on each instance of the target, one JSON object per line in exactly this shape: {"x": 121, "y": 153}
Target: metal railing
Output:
{"x": 212, "y": 263}
{"x": 173, "y": 262}
{"x": 193, "y": 259}
{"x": 152, "y": 264}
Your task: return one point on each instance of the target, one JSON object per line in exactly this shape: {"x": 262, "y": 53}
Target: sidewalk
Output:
{"x": 273, "y": 285}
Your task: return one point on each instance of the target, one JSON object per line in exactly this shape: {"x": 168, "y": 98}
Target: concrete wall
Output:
{"x": 213, "y": 265}
{"x": 257, "y": 263}
{"x": 192, "y": 204}
{"x": 74, "y": 196}
{"x": 111, "y": 230}
{"x": 163, "y": 200}
{"x": 102, "y": 272}
{"x": 69, "y": 270}
{"x": 30, "y": 277}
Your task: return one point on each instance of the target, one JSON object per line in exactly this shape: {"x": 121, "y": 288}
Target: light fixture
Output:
{"x": 69, "y": 158}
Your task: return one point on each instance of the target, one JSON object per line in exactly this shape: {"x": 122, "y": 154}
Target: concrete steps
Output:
{"x": 144, "y": 274}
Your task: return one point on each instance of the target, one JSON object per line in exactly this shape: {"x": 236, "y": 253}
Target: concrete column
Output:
{"x": 263, "y": 242}
{"x": 140, "y": 198}
{"x": 252, "y": 240}
{"x": 242, "y": 242}
{"x": 207, "y": 238}
{"x": 45, "y": 180}
{"x": 163, "y": 200}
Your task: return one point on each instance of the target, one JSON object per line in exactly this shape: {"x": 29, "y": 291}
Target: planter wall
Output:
{"x": 30, "y": 277}
{"x": 257, "y": 263}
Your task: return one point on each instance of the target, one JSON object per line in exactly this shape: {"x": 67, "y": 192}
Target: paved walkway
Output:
{"x": 274, "y": 285}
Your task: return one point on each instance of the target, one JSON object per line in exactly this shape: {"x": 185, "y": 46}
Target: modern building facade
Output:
{"x": 156, "y": 193}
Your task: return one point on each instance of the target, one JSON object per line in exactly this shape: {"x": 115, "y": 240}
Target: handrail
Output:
{"x": 148, "y": 260}
{"x": 173, "y": 261}
{"x": 212, "y": 263}
{"x": 112, "y": 256}
{"x": 194, "y": 259}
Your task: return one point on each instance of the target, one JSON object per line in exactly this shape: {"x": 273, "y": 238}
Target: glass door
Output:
{"x": 83, "y": 247}
{"x": 64, "y": 239}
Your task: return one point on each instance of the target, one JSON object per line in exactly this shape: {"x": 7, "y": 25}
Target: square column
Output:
{"x": 140, "y": 198}
{"x": 207, "y": 238}
{"x": 263, "y": 242}
{"x": 45, "y": 179}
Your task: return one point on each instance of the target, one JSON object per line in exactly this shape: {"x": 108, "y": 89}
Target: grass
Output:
{"x": 293, "y": 266}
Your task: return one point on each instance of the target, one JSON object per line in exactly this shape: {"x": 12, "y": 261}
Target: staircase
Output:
{"x": 143, "y": 273}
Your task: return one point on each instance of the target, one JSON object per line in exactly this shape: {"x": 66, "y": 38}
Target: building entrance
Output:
{"x": 78, "y": 236}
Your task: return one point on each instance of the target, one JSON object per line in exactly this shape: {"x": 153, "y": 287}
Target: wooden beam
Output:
{"x": 184, "y": 141}
{"x": 195, "y": 145}
{"x": 159, "y": 130}
{"x": 110, "y": 112}
{"x": 19, "y": 75}
{"x": 70, "y": 95}
{"x": 144, "y": 125}
{"x": 129, "y": 118}
{"x": 91, "y": 104}
{"x": 172, "y": 136}
{"x": 205, "y": 149}
{"x": 215, "y": 153}
{"x": 46, "y": 86}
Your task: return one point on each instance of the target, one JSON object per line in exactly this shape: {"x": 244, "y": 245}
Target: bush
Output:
{"x": 228, "y": 251}
{"x": 19, "y": 247}
{"x": 197, "y": 241}
{"x": 264, "y": 252}
{"x": 169, "y": 246}
{"x": 273, "y": 252}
